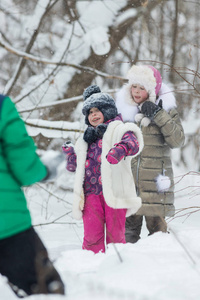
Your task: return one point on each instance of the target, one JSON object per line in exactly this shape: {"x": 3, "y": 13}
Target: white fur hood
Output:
{"x": 129, "y": 109}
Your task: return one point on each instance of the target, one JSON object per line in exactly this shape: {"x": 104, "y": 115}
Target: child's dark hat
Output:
{"x": 93, "y": 97}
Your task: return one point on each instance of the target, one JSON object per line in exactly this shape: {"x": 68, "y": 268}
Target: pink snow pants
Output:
{"x": 96, "y": 214}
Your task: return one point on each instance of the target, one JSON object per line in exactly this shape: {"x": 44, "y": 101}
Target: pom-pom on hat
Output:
{"x": 93, "y": 97}
{"x": 146, "y": 76}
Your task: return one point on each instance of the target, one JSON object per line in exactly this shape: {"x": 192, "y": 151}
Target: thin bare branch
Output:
{"x": 29, "y": 123}
{"x": 22, "y": 62}
{"x": 50, "y": 62}
{"x": 52, "y": 194}
{"x": 73, "y": 99}
{"x": 174, "y": 69}
{"x": 182, "y": 246}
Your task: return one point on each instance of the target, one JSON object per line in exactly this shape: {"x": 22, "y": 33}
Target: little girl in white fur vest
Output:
{"x": 147, "y": 101}
{"x": 104, "y": 189}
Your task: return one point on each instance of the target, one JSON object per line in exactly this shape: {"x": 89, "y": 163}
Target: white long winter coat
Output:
{"x": 117, "y": 180}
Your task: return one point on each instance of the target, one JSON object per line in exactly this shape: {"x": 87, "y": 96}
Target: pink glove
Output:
{"x": 116, "y": 154}
{"x": 68, "y": 149}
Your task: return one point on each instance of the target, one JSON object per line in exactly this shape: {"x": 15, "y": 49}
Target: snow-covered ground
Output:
{"x": 158, "y": 267}
{"x": 162, "y": 266}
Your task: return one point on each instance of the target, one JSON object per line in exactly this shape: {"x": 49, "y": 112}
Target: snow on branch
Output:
{"x": 41, "y": 11}
{"x": 68, "y": 100}
{"x": 73, "y": 99}
{"x": 33, "y": 58}
{"x": 54, "y": 129}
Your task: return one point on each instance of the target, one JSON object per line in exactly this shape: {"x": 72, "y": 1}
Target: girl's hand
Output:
{"x": 67, "y": 147}
{"x": 150, "y": 109}
{"x": 116, "y": 154}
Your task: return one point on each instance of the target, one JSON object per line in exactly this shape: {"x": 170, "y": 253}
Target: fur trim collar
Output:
{"x": 128, "y": 108}
{"x": 168, "y": 99}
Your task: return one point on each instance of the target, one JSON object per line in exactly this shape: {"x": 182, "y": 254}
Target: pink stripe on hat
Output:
{"x": 158, "y": 78}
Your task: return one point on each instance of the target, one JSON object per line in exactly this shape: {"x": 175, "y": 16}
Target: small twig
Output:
{"x": 50, "y": 223}
{"x": 183, "y": 246}
{"x": 118, "y": 254}
{"x": 197, "y": 208}
{"x": 76, "y": 232}
{"x": 52, "y": 194}
{"x": 54, "y": 221}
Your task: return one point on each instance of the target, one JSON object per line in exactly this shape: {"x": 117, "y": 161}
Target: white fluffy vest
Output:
{"x": 117, "y": 180}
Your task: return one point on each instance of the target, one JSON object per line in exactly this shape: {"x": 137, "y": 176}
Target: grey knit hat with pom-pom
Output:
{"x": 93, "y": 97}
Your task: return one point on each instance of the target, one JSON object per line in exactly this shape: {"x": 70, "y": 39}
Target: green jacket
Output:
{"x": 19, "y": 166}
{"x": 160, "y": 136}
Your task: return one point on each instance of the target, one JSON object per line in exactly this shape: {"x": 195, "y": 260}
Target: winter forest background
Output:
{"x": 51, "y": 50}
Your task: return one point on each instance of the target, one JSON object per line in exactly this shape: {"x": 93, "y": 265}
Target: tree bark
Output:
{"x": 81, "y": 80}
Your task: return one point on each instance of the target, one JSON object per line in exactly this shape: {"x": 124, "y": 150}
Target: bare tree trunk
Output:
{"x": 197, "y": 29}
{"x": 161, "y": 38}
{"x": 174, "y": 42}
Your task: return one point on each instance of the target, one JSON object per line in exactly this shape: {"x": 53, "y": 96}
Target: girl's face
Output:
{"x": 95, "y": 117}
{"x": 138, "y": 93}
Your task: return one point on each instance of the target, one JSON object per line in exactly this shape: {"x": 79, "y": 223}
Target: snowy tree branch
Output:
{"x": 54, "y": 125}
{"x": 53, "y": 73}
{"x": 33, "y": 58}
{"x": 22, "y": 62}
{"x": 73, "y": 99}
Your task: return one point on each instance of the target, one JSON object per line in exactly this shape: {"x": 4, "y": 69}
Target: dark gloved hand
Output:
{"x": 150, "y": 109}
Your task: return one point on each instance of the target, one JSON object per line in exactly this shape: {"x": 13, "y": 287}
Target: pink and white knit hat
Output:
{"x": 146, "y": 76}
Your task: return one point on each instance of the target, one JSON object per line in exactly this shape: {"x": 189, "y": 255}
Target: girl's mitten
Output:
{"x": 116, "y": 154}
{"x": 150, "y": 109}
{"x": 68, "y": 148}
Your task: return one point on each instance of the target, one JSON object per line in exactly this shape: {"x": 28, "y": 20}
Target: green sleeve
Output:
{"x": 19, "y": 148}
